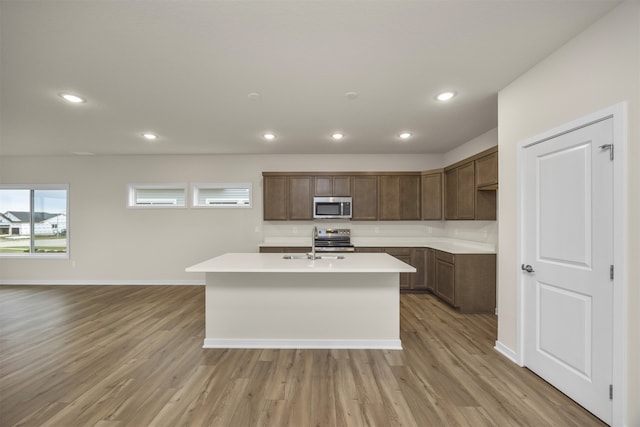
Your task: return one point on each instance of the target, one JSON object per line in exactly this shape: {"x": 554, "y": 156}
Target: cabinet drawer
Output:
{"x": 446, "y": 257}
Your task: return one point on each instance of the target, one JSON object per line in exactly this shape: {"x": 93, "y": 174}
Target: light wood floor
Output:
{"x": 131, "y": 356}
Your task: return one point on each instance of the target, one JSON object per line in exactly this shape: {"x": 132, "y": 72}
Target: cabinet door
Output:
{"x": 341, "y": 186}
{"x": 430, "y": 269}
{"x": 389, "y": 197}
{"x": 364, "y": 193}
{"x": 404, "y": 255}
{"x": 466, "y": 191}
{"x": 399, "y": 197}
{"x": 418, "y": 258}
{"x": 445, "y": 281}
{"x": 275, "y": 198}
{"x": 487, "y": 170}
{"x": 432, "y": 196}
{"x": 336, "y": 186}
{"x": 410, "y": 197}
{"x": 451, "y": 194}
{"x": 300, "y": 197}
{"x": 323, "y": 186}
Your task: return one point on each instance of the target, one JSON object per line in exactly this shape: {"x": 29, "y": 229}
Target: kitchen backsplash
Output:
{"x": 477, "y": 231}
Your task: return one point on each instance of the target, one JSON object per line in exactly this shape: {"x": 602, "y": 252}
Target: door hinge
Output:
{"x": 608, "y": 147}
{"x": 611, "y": 272}
{"x": 610, "y": 391}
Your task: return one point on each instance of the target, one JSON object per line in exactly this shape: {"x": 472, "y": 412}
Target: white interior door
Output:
{"x": 568, "y": 244}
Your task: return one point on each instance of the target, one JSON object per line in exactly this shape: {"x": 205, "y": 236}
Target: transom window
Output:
{"x": 228, "y": 195}
{"x": 157, "y": 195}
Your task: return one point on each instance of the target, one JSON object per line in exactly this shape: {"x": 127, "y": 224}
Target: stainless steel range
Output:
{"x": 333, "y": 240}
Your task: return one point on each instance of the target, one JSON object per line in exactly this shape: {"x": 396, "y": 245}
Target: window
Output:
{"x": 33, "y": 220}
{"x": 157, "y": 196}
{"x": 222, "y": 195}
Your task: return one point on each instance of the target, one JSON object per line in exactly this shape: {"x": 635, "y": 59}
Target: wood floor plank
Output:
{"x": 131, "y": 356}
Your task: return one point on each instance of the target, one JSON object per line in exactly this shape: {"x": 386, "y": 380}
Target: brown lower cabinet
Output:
{"x": 412, "y": 256}
{"x": 466, "y": 281}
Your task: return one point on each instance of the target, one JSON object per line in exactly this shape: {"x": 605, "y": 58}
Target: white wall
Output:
{"x": 480, "y": 143}
{"x": 597, "y": 69}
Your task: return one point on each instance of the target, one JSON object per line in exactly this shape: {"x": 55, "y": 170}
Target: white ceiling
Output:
{"x": 184, "y": 69}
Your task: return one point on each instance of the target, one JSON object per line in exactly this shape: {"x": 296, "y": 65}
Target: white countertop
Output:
{"x": 445, "y": 244}
{"x": 274, "y": 263}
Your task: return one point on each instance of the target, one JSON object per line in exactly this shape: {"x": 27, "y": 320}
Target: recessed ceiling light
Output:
{"x": 337, "y": 136}
{"x": 445, "y": 96}
{"x": 253, "y": 96}
{"x": 83, "y": 153}
{"x": 269, "y": 136}
{"x": 150, "y": 136}
{"x": 351, "y": 95}
{"x": 405, "y": 135}
{"x": 74, "y": 99}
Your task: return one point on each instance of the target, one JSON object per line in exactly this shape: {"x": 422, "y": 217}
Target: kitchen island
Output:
{"x": 258, "y": 300}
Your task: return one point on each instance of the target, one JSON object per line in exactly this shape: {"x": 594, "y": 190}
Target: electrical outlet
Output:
{"x": 295, "y": 230}
{"x": 376, "y": 230}
{"x": 430, "y": 230}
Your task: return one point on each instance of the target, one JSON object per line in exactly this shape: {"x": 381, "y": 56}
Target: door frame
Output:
{"x": 618, "y": 113}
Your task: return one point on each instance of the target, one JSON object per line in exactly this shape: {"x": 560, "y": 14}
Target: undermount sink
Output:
{"x": 317, "y": 257}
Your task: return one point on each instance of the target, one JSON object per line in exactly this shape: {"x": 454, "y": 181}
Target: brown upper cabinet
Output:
{"x": 470, "y": 187}
{"x": 431, "y": 199}
{"x": 459, "y": 196}
{"x": 287, "y": 197}
{"x": 399, "y": 197}
{"x": 486, "y": 184}
{"x": 329, "y": 185}
{"x": 487, "y": 172}
{"x": 275, "y": 192}
{"x": 364, "y": 193}
{"x": 300, "y": 198}
{"x": 463, "y": 191}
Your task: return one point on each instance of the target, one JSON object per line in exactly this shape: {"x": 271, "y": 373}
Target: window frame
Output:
{"x": 132, "y": 193}
{"x": 195, "y": 194}
{"x": 42, "y": 255}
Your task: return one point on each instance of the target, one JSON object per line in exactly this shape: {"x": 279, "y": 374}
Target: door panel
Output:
{"x": 565, "y": 212}
{"x": 568, "y": 241}
{"x": 567, "y": 342}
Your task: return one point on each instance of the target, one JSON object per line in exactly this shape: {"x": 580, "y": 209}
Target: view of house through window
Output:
{"x": 33, "y": 220}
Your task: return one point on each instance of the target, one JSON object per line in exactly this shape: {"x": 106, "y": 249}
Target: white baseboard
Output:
{"x": 507, "y": 352}
{"x": 303, "y": 344}
{"x": 105, "y": 282}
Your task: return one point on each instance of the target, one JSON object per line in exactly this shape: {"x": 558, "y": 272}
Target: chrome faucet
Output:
{"x": 314, "y": 233}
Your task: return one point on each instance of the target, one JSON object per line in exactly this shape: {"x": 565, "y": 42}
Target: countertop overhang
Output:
{"x": 275, "y": 263}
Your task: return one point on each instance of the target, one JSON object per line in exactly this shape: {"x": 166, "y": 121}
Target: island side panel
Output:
{"x": 302, "y": 310}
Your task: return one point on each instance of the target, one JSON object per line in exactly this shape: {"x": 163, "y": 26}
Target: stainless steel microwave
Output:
{"x": 332, "y": 207}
